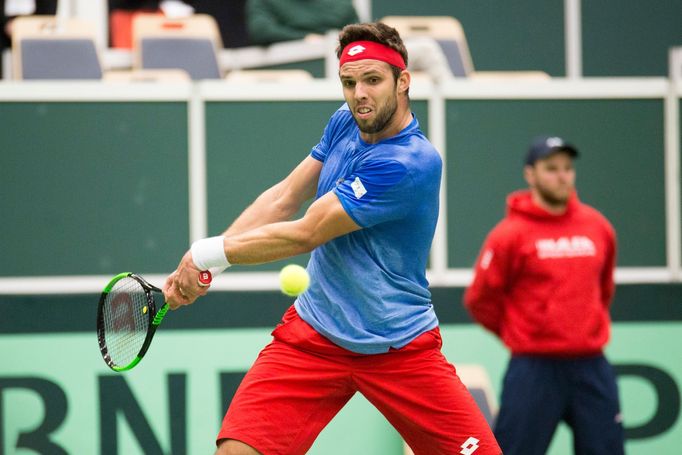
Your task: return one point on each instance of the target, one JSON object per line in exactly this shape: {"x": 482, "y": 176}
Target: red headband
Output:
{"x": 361, "y": 50}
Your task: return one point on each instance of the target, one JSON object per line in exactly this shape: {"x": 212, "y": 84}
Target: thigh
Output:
{"x": 532, "y": 405}
{"x": 285, "y": 400}
{"x": 595, "y": 410}
{"x": 421, "y": 395}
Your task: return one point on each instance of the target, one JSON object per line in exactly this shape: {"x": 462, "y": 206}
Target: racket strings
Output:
{"x": 126, "y": 320}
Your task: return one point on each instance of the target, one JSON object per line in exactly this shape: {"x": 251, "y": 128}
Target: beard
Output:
{"x": 383, "y": 116}
{"x": 553, "y": 198}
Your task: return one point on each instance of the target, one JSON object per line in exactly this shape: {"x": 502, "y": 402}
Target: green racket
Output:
{"x": 127, "y": 318}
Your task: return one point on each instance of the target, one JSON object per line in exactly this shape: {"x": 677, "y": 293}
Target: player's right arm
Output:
{"x": 281, "y": 201}
{"x": 486, "y": 295}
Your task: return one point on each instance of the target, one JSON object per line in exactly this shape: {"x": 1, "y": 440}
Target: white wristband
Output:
{"x": 209, "y": 253}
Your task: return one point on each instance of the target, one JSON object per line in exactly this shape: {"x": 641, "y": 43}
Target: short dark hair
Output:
{"x": 373, "y": 31}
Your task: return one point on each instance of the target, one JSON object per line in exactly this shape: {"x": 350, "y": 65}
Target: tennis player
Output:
{"x": 366, "y": 324}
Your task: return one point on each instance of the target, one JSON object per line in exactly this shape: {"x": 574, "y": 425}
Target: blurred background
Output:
{"x": 131, "y": 128}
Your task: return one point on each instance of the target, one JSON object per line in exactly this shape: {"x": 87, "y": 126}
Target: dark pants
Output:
{"x": 540, "y": 392}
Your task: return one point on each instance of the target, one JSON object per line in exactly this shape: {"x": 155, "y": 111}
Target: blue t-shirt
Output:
{"x": 368, "y": 289}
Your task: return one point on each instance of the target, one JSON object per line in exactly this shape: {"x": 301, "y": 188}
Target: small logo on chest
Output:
{"x": 565, "y": 247}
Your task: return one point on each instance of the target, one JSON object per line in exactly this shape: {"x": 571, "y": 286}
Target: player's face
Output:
{"x": 552, "y": 178}
{"x": 371, "y": 93}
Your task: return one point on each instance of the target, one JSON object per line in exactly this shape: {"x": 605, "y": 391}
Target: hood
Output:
{"x": 520, "y": 203}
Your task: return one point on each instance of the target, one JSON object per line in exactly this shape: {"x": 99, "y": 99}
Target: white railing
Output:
{"x": 197, "y": 94}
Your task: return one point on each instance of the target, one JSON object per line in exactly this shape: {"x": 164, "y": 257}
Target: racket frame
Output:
{"x": 155, "y": 318}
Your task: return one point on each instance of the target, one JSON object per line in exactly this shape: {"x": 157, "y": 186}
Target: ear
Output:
{"x": 529, "y": 175}
{"x": 404, "y": 81}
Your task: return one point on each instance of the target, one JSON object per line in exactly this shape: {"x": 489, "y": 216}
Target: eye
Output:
{"x": 348, "y": 83}
{"x": 374, "y": 80}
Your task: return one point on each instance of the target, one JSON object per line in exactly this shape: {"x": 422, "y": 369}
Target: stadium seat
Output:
{"x": 445, "y": 30}
{"x": 189, "y": 43}
{"x": 44, "y": 47}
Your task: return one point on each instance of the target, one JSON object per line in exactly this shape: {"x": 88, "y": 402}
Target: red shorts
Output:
{"x": 301, "y": 380}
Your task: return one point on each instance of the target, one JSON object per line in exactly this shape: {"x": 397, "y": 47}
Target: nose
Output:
{"x": 360, "y": 92}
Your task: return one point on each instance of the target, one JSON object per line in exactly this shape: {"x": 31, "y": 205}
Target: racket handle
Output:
{"x": 205, "y": 278}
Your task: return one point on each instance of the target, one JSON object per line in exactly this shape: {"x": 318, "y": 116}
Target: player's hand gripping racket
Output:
{"x": 127, "y": 319}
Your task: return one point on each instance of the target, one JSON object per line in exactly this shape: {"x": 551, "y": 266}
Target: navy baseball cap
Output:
{"x": 543, "y": 146}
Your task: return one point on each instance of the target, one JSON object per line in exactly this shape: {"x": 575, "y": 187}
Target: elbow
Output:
{"x": 282, "y": 205}
{"x": 308, "y": 241}
{"x": 307, "y": 238}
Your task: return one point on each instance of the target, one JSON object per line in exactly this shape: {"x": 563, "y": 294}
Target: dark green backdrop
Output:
{"x": 92, "y": 188}
{"x": 619, "y": 37}
{"x": 98, "y": 188}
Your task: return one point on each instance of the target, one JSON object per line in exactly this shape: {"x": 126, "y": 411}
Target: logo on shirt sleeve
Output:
{"x": 486, "y": 259}
{"x": 358, "y": 188}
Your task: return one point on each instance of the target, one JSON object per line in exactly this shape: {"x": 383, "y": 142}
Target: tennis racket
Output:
{"x": 127, "y": 319}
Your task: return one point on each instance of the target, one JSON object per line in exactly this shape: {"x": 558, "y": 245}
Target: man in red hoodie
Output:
{"x": 543, "y": 284}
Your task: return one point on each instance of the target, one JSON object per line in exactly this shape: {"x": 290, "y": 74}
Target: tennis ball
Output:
{"x": 293, "y": 280}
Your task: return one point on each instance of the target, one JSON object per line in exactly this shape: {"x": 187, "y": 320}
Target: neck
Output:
{"x": 553, "y": 207}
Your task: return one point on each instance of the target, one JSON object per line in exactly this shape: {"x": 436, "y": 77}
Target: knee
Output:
{"x": 234, "y": 447}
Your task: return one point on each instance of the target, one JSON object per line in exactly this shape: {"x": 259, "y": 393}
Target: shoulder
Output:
{"x": 506, "y": 231}
{"x": 511, "y": 232}
{"x": 342, "y": 115}
{"x": 416, "y": 153}
{"x": 340, "y": 121}
{"x": 593, "y": 215}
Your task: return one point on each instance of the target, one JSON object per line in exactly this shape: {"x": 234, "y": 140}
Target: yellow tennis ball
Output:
{"x": 293, "y": 280}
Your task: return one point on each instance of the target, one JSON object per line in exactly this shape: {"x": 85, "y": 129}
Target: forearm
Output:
{"x": 269, "y": 243}
{"x": 266, "y": 209}
{"x": 324, "y": 220}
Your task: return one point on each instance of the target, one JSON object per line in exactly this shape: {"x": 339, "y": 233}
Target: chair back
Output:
{"x": 44, "y": 47}
{"x": 445, "y": 30}
{"x": 189, "y": 43}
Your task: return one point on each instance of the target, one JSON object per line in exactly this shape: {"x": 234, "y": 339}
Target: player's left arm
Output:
{"x": 324, "y": 220}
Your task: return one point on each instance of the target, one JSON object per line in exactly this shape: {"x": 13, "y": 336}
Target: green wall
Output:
{"x": 498, "y": 32}
{"x": 620, "y": 170}
{"x": 629, "y": 38}
{"x": 92, "y": 188}
{"x": 619, "y": 37}
{"x": 95, "y": 188}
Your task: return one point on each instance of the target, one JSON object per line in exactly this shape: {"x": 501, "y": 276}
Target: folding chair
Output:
{"x": 445, "y": 30}
{"x": 44, "y": 47}
{"x": 190, "y": 43}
